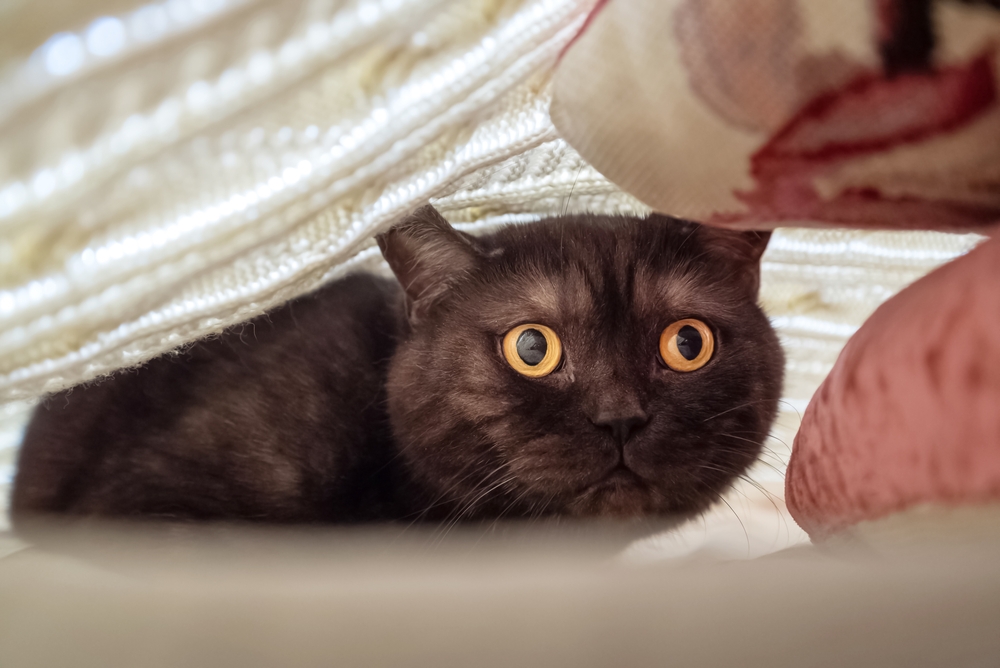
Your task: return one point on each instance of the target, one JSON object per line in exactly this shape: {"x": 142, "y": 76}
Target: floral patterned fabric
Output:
{"x": 766, "y": 112}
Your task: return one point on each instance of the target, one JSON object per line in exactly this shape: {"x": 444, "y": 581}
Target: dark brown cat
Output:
{"x": 579, "y": 366}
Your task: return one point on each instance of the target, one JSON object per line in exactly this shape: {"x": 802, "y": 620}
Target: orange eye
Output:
{"x": 687, "y": 345}
{"x": 532, "y": 350}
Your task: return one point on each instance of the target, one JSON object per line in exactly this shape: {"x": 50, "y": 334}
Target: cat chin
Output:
{"x": 620, "y": 496}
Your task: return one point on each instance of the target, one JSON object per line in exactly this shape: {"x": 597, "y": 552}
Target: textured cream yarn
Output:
{"x": 172, "y": 168}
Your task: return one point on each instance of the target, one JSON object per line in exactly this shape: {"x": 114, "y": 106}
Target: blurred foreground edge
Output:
{"x": 920, "y": 588}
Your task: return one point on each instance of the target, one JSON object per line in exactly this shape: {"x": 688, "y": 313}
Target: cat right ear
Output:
{"x": 742, "y": 248}
{"x": 427, "y": 255}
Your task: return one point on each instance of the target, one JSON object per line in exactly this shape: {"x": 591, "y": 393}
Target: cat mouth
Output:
{"x": 620, "y": 493}
{"x": 620, "y": 476}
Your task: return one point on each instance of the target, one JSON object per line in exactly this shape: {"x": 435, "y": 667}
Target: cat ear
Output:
{"x": 741, "y": 248}
{"x": 427, "y": 255}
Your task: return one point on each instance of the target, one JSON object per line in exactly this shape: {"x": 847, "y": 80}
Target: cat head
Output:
{"x": 583, "y": 366}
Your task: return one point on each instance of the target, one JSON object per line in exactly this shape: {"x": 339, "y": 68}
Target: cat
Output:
{"x": 577, "y": 367}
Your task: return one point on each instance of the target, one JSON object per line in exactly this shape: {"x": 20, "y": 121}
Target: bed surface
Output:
{"x": 920, "y": 589}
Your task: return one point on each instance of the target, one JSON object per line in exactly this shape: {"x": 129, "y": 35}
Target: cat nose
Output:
{"x": 622, "y": 427}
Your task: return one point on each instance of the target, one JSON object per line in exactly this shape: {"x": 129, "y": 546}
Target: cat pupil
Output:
{"x": 689, "y": 342}
{"x": 531, "y": 346}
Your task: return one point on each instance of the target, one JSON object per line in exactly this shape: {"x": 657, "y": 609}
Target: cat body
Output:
{"x": 372, "y": 400}
{"x": 274, "y": 420}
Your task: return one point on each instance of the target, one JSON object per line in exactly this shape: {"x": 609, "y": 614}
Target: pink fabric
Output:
{"x": 911, "y": 411}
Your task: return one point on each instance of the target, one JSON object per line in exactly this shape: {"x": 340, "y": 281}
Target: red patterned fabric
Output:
{"x": 772, "y": 112}
{"x": 853, "y": 122}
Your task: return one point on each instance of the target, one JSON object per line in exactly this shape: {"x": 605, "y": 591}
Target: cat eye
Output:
{"x": 686, "y": 345}
{"x": 532, "y": 350}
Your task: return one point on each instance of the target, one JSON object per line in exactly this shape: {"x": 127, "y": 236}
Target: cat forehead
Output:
{"x": 641, "y": 291}
{"x": 569, "y": 268}
{"x": 578, "y": 291}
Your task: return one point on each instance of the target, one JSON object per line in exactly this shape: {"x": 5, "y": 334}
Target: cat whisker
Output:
{"x": 745, "y": 533}
{"x": 768, "y": 452}
{"x": 772, "y": 498}
{"x": 500, "y": 516}
{"x": 464, "y": 512}
{"x": 569, "y": 198}
{"x": 790, "y": 405}
{"x": 774, "y": 468}
{"x": 735, "y": 408}
{"x": 440, "y": 499}
{"x": 778, "y": 460}
{"x": 472, "y": 504}
{"x": 720, "y": 469}
{"x": 769, "y": 437}
{"x": 465, "y": 505}
{"x": 760, "y": 488}
{"x": 687, "y": 238}
{"x": 511, "y": 505}
{"x": 759, "y": 459}
{"x": 764, "y": 448}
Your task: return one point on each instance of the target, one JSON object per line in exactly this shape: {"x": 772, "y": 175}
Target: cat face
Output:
{"x": 580, "y": 366}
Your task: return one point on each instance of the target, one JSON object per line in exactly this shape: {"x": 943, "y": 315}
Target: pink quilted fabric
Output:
{"x": 911, "y": 411}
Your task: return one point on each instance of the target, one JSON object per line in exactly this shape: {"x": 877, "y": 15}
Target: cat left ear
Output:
{"x": 742, "y": 248}
{"x": 427, "y": 255}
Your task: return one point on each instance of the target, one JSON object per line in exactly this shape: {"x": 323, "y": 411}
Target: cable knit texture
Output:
{"x": 252, "y": 165}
